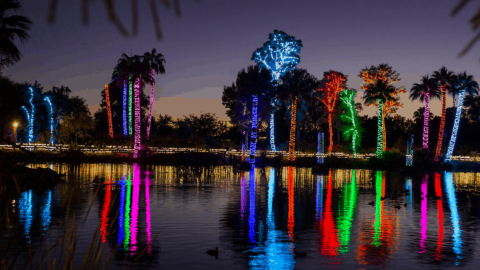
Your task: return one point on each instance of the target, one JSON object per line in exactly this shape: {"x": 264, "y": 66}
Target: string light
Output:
{"x": 137, "y": 117}
{"x": 51, "y": 119}
{"x": 130, "y": 105}
{"x": 380, "y": 130}
{"x": 152, "y": 93}
{"x": 334, "y": 84}
{"x": 293, "y": 125}
{"x": 30, "y": 117}
{"x": 409, "y": 155}
{"x": 253, "y": 143}
{"x": 352, "y": 128}
{"x": 279, "y": 55}
{"x": 456, "y": 124}
{"x": 272, "y": 132}
{"x": 125, "y": 94}
{"x": 385, "y": 73}
{"x": 426, "y": 120}
{"x": 320, "y": 150}
{"x": 109, "y": 111}
{"x": 442, "y": 123}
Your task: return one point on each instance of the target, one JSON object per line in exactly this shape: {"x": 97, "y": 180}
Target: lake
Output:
{"x": 163, "y": 217}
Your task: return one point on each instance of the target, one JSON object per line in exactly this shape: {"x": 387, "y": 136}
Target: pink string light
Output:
{"x": 152, "y": 92}
{"x": 426, "y": 118}
{"x": 136, "y": 87}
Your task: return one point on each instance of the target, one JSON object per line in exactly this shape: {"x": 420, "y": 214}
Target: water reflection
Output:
{"x": 452, "y": 203}
{"x": 262, "y": 217}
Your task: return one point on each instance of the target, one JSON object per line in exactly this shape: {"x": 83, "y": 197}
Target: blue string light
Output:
{"x": 320, "y": 149}
{"x": 456, "y": 124}
{"x": 30, "y": 116}
{"x": 51, "y": 119}
{"x": 409, "y": 155}
{"x": 253, "y": 143}
{"x": 278, "y": 55}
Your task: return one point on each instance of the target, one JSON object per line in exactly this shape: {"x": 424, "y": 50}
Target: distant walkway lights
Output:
{"x": 47, "y": 99}
{"x": 320, "y": 149}
{"x": 409, "y": 154}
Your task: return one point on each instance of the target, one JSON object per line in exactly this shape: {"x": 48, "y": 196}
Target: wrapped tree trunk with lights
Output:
{"x": 385, "y": 73}
{"x": 426, "y": 90}
{"x": 109, "y": 111}
{"x": 445, "y": 78}
{"x": 253, "y": 142}
{"x": 332, "y": 84}
{"x": 380, "y": 93}
{"x": 293, "y": 125}
{"x": 155, "y": 62}
{"x": 297, "y": 88}
{"x": 351, "y": 129}
{"x": 467, "y": 85}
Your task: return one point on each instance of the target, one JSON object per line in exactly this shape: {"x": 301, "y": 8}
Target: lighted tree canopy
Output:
{"x": 385, "y": 73}
{"x": 279, "y": 55}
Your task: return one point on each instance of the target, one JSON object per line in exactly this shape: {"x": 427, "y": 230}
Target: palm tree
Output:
{"x": 255, "y": 82}
{"x": 137, "y": 71}
{"x": 445, "y": 78}
{"x": 466, "y": 85}
{"x": 155, "y": 61}
{"x": 428, "y": 88}
{"x": 379, "y": 92}
{"x": 122, "y": 75}
{"x": 11, "y": 27}
{"x": 297, "y": 88}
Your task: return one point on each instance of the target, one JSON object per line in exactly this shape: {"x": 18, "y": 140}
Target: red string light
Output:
{"x": 442, "y": 123}
{"x": 334, "y": 84}
{"x": 293, "y": 125}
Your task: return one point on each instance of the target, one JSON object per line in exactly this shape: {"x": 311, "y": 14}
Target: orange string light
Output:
{"x": 109, "y": 111}
{"x": 293, "y": 125}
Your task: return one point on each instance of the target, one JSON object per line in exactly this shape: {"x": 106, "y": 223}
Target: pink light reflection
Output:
{"x": 424, "y": 219}
{"x": 148, "y": 214}
{"x": 134, "y": 217}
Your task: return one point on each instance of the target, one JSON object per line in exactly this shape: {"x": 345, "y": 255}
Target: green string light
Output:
{"x": 351, "y": 128}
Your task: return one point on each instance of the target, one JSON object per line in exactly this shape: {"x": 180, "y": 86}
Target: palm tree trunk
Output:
{"x": 330, "y": 131}
{"x": 125, "y": 95}
{"x": 293, "y": 125}
{"x": 380, "y": 130}
{"x": 426, "y": 120}
{"x": 453, "y": 138}
{"x": 151, "y": 104}
{"x": 384, "y": 133}
{"x": 137, "y": 118}
{"x": 130, "y": 105}
{"x": 442, "y": 123}
{"x": 253, "y": 143}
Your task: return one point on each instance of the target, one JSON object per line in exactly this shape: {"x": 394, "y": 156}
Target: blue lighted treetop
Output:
{"x": 279, "y": 54}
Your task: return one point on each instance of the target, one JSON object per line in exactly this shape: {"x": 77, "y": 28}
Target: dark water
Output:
{"x": 159, "y": 217}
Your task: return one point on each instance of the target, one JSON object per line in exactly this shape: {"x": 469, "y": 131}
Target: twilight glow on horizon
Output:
{"x": 212, "y": 40}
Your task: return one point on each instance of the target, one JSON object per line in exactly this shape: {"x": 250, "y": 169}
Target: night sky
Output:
{"x": 212, "y": 40}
